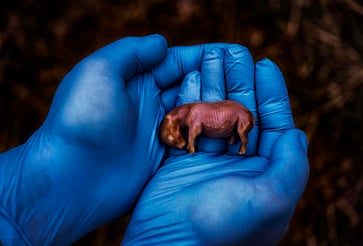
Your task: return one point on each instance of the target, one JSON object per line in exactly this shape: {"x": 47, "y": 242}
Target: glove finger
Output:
{"x": 240, "y": 71}
{"x": 100, "y": 79}
{"x": 180, "y": 61}
{"x": 169, "y": 97}
{"x": 275, "y": 115}
{"x": 212, "y": 75}
{"x": 187, "y": 92}
{"x": 132, "y": 55}
{"x": 190, "y": 89}
{"x": 213, "y": 89}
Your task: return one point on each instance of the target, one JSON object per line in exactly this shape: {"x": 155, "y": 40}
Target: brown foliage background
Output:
{"x": 318, "y": 45}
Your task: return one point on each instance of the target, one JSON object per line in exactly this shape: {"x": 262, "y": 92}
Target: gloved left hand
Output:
{"x": 98, "y": 146}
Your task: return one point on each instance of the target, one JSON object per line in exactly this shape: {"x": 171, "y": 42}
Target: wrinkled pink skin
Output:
{"x": 223, "y": 119}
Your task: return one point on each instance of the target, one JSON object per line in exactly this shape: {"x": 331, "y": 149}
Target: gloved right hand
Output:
{"x": 216, "y": 197}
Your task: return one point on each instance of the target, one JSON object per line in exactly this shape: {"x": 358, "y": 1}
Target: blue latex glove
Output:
{"x": 98, "y": 146}
{"x": 216, "y": 197}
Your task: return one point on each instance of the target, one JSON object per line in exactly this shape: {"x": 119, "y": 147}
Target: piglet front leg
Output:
{"x": 193, "y": 132}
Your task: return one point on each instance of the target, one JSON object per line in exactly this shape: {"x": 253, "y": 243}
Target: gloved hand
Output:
{"x": 216, "y": 197}
{"x": 98, "y": 146}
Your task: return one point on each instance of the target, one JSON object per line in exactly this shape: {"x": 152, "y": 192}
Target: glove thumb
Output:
{"x": 289, "y": 164}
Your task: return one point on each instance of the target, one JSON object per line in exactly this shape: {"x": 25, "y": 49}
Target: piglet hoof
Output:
{"x": 242, "y": 150}
{"x": 191, "y": 149}
{"x": 231, "y": 139}
{"x": 181, "y": 145}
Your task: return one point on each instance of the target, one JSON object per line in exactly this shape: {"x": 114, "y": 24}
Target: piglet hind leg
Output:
{"x": 194, "y": 132}
{"x": 231, "y": 139}
{"x": 243, "y": 134}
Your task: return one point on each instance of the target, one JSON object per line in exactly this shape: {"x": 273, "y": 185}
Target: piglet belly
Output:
{"x": 219, "y": 124}
{"x": 219, "y": 132}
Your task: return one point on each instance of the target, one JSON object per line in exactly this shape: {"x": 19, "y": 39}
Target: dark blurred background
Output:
{"x": 317, "y": 44}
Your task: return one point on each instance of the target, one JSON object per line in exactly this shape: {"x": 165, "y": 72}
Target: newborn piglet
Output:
{"x": 223, "y": 119}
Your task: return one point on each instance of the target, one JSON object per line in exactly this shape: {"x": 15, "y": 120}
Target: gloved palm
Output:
{"x": 89, "y": 161}
{"x": 216, "y": 197}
